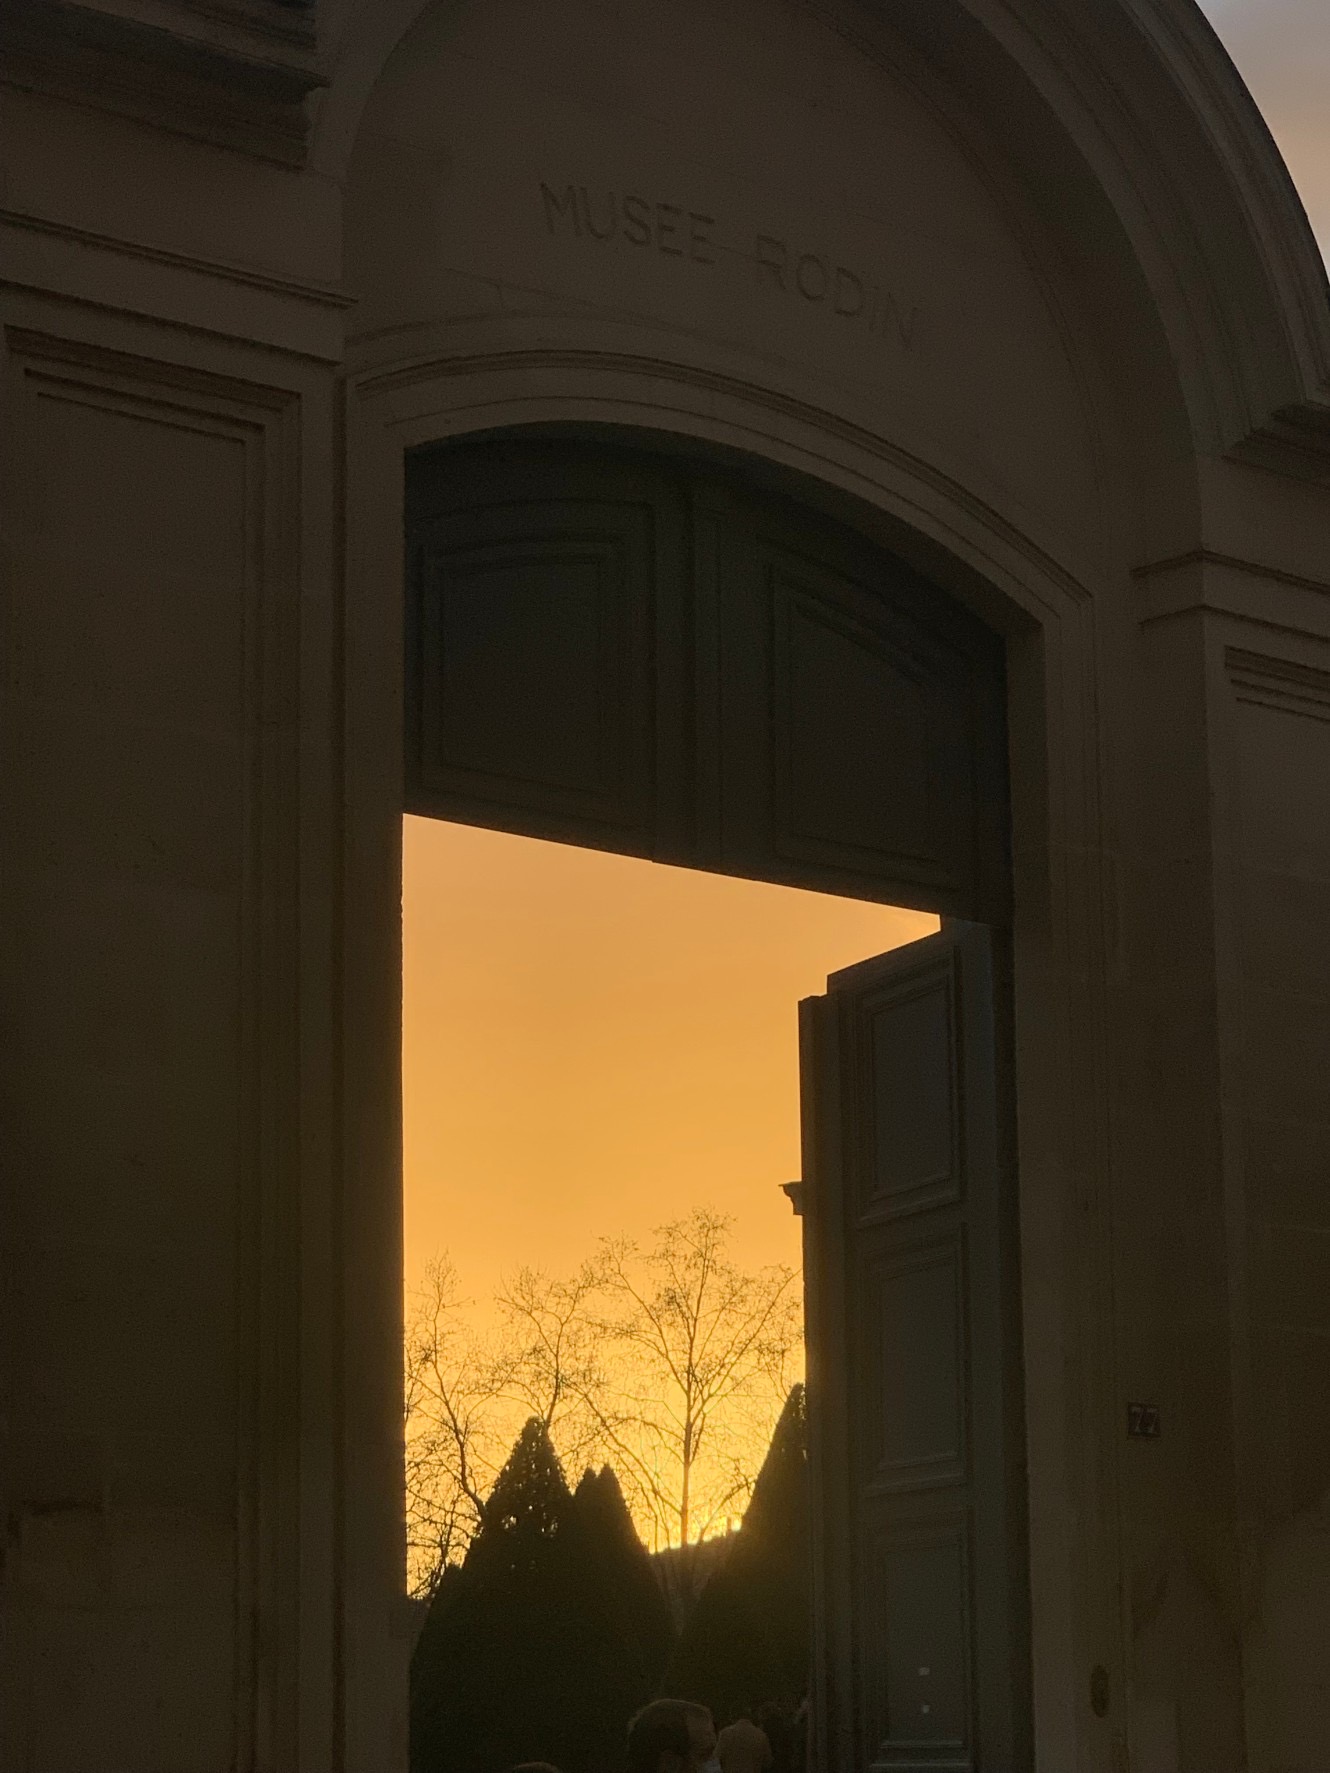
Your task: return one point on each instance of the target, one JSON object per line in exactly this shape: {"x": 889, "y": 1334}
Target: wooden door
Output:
{"x": 913, "y": 1367}
{"x": 640, "y": 653}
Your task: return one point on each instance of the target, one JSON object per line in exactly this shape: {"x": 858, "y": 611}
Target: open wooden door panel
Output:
{"x": 913, "y": 1357}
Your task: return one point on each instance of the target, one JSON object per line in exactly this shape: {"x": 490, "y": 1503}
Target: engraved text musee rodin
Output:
{"x": 676, "y": 231}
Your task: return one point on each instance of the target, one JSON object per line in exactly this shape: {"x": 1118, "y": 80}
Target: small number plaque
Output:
{"x": 1143, "y": 1422}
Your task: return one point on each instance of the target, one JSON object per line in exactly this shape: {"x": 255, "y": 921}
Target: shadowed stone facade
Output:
{"x": 1017, "y": 290}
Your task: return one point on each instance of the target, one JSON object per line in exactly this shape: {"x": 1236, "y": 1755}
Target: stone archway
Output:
{"x": 496, "y": 405}
{"x": 500, "y": 288}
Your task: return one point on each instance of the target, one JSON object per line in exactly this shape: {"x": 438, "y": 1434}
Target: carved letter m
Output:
{"x": 565, "y": 205}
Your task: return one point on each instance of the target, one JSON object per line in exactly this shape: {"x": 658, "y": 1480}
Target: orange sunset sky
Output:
{"x": 594, "y": 1044}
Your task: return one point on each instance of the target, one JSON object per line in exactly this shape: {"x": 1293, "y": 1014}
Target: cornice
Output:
{"x": 235, "y": 73}
{"x": 1209, "y": 557}
{"x": 1294, "y": 442}
{"x": 323, "y": 295}
{"x": 1260, "y": 596}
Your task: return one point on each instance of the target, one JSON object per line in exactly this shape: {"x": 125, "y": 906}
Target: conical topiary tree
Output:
{"x": 633, "y": 1603}
{"x": 748, "y": 1640}
{"x": 499, "y": 1673}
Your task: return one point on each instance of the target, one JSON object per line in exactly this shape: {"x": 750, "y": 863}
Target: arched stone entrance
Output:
{"x": 1018, "y": 290}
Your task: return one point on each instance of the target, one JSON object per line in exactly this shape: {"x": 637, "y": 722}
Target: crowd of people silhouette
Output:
{"x": 680, "y": 1736}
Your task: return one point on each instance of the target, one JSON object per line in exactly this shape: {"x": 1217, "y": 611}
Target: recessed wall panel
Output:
{"x": 151, "y": 756}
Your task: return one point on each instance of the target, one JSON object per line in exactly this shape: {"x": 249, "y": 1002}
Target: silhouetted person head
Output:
{"x": 671, "y": 1736}
{"x": 744, "y": 1747}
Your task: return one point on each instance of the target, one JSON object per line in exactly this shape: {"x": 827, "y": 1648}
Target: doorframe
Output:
{"x": 1059, "y": 937}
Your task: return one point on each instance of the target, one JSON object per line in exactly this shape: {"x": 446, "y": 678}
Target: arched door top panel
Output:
{"x": 641, "y": 654}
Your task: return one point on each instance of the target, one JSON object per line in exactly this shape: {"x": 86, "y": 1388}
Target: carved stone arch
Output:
{"x": 1182, "y": 317}
{"x": 552, "y": 387}
{"x": 888, "y": 272}
{"x": 1137, "y": 140}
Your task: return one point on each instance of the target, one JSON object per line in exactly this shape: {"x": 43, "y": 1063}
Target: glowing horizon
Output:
{"x": 593, "y": 1045}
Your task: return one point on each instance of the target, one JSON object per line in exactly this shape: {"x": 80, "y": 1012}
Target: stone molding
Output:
{"x": 1282, "y": 684}
{"x": 1260, "y": 594}
{"x": 235, "y": 73}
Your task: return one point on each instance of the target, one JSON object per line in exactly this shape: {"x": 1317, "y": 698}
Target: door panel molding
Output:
{"x": 913, "y": 1720}
{"x": 895, "y": 1328}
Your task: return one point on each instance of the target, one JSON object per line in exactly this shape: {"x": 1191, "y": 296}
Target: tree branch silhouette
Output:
{"x": 669, "y": 1362}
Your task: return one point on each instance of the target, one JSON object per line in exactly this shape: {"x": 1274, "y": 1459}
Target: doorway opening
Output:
{"x": 601, "y": 1099}
{"x": 650, "y": 660}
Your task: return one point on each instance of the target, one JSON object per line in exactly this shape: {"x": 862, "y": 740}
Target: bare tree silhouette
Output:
{"x": 669, "y": 1362}
{"x": 455, "y": 1382}
{"x": 698, "y": 1354}
{"x": 466, "y": 1393}
{"x": 555, "y": 1354}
